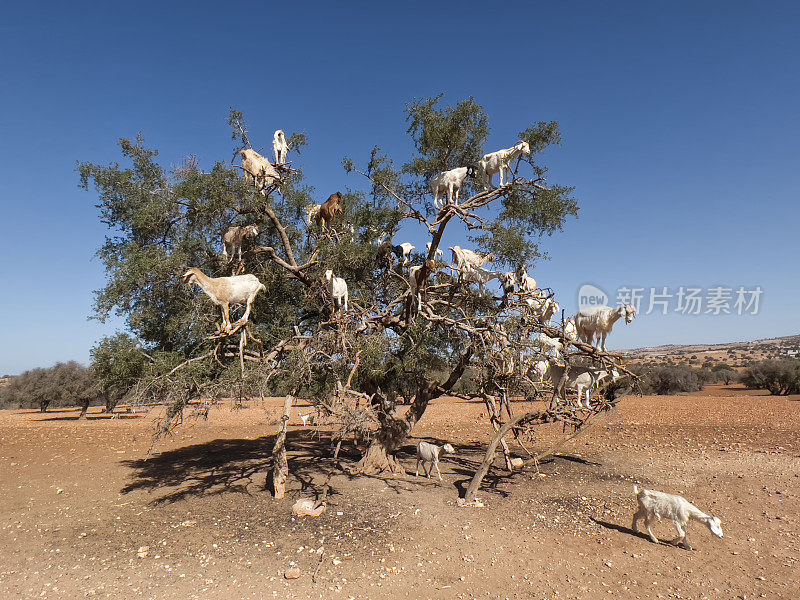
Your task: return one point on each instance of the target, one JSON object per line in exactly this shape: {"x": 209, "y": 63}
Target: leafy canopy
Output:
{"x": 160, "y": 223}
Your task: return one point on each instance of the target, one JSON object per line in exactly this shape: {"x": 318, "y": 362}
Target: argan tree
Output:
{"x": 392, "y": 345}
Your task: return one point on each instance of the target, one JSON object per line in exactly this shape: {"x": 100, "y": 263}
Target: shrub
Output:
{"x": 118, "y": 363}
{"x": 668, "y": 379}
{"x": 779, "y": 377}
{"x": 65, "y": 384}
{"x": 726, "y": 376}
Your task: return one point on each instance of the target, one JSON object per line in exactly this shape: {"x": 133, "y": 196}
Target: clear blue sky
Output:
{"x": 681, "y": 123}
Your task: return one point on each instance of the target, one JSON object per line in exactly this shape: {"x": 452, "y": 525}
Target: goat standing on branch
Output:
{"x": 465, "y": 260}
{"x": 500, "y": 161}
{"x": 337, "y": 288}
{"x": 227, "y": 291}
{"x": 449, "y": 182}
{"x": 403, "y": 252}
{"x": 598, "y": 321}
{"x": 326, "y": 212}
{"x": 542, "y": 307}
{"x": 233, "y": 238}
{"x": 526, "y": 282}
{"x": 279, "y": 147}
{"x": 258, "y": 170}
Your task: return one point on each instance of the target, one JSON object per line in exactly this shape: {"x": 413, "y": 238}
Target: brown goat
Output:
{"x": 234, "y": 236}
{"x": 328, "y": 209}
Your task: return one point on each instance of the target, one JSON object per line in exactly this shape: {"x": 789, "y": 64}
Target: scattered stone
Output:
{"x": 292, "y": 573}
{"x": 142, "y": 551}
{"x": 306, "y": 507}
{"x": 477, "y": 503}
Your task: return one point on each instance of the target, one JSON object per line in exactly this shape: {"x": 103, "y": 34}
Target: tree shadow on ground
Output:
{"x": 223, "y": 466}
{"x": 577, "y": 459}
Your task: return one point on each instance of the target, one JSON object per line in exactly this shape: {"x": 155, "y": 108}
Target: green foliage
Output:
{"x": 65, "y": 384}
{"x": 446, "y": 137}
{"x": 726, "y": 376}
{"x": 160, "y": 223}
{"x": 669, "y": 379}
{"x": 527, "y": 214}
{"x": 780, "y": 377}
{"x": 118, "y": 363}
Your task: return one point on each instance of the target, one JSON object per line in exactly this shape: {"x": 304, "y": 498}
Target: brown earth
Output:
{"x": 81, "y": 498}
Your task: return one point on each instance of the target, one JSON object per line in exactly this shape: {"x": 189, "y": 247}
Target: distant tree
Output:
{"x": 721, "y": 367}
{"x": 65, "y": 384}
{"x": 726, "y": 376}
{"x": 390, "y": 346}
{"x": 669, "y": 379}
{"x": 779, "y": 377}
{"x": 118, "y": 363}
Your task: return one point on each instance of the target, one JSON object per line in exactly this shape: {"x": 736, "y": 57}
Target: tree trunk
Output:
{"x": 495, "y": 418}
{"x": 280, "y": 466}
{"x": 475, "y": 484}
{"x": 379, "y": 457}
{"x": 393, "y": 432}
{"x": 112, "y": 399}
{"x": 84, "y": 410}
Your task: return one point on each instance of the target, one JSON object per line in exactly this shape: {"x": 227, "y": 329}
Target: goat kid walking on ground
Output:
{"x": 659, "y": 504}
{"x": 428, "y": 454}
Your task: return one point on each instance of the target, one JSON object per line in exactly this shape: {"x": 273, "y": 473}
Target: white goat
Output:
{"x": 403, "y": 252}
{"x": 500, "y": 161}
{"x": 659, "y": 504}
{"x": 579, "y": 378}
{"x": 258, "y": 170}
{"x": 480, "y": 276}
{"x": 598, "y": 321}
{"x": 509, "y": 282}
{"x": 542, "y": 307}
{"x": 415, "y": 283}
{"x": 337, "y": 288}
{"x": 449, "y": 182}
{"x": 570, "y": 331}
{"x": 541, "y": 368}
{"x": 312, "y": 210}
{"x": 438, "y": 255}
{"x": 307, "y": 419}
{"x": 227, "y": 291}
{"x": 467, "y": 258}
{"x": 428, "y": 454}
{"x": 574, "y": 377}
{"x": 527, "y": 283}
{"x": 550, "y": 344}
{"x": 279, "y": 147}
{"x": 234, "y": 236}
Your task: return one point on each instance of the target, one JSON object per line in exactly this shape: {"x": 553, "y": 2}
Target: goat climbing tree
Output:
{"x": 392, "y": 345}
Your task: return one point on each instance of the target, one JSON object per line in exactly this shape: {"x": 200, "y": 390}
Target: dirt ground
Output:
{"x": 80, "y": 499}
